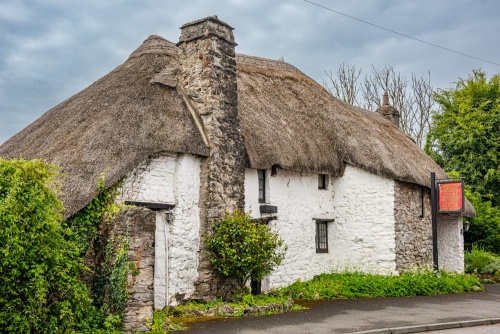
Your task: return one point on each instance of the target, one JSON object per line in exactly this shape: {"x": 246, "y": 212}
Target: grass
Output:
{"x": 325, "y": 286}
{"x": 360, "y": 285}
{"x": 175, "y": 318}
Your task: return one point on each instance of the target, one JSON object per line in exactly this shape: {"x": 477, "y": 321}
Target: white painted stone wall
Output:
{"x": 151, "y": 181}
{"x": 361, "y": 237}
{"x": 450, "y": 243}
{"x": 171, "y": 179}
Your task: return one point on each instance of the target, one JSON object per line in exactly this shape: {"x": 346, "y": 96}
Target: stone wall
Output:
{"x": 413, "y": 232}
{"x": 360, "y": 235}
{"x": 140, "y": 223}
{"x": 151, "y": 181}
{"x": 450, "y": 243}
{"x": 174, "y": 180}
{"x": 207, "y": 80}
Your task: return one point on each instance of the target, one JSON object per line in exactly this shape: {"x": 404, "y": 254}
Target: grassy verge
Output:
{"x": 480, "y": 262}
{"x": 325, "y": 286}
{"x": 359, "y": 285}
{"x": 175, "y": 318}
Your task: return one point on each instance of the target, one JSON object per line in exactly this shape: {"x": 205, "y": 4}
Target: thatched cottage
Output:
{"x": 196, "y": 130}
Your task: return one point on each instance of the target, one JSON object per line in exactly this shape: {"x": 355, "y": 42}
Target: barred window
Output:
{"x": 321, "y": 236}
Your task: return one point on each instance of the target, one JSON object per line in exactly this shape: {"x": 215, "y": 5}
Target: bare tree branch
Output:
{"x": 413, "y": 98}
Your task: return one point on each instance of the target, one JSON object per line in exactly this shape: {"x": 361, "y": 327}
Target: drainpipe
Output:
{"x": 167, "y": 219}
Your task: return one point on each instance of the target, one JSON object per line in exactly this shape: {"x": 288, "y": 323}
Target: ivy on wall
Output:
{"x": 42, "y": 271}
{"x": 105, "y": 254}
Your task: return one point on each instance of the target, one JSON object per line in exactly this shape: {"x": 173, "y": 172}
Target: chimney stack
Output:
{"x": 388, "y": 111}
{"x": 207, "y": 80}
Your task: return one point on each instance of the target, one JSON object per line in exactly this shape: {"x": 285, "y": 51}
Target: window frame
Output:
{"x": 261, "y": 177}
{"x": 320, "y": 249}
{"x": 322, "y": 181}
{"x": 421, "y": 204}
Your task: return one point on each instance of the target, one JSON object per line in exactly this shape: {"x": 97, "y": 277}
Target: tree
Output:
{"x": 39, "y": 265}
{"x": 243, "y": 249}
{"x": 465, "y": 139}
{"x": 485, "y": 228}
{"x": 413, "y": 98}
{"x": 465, "y": 136}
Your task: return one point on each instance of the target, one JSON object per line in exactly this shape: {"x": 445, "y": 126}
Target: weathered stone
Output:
{"x": 208, "y": 77}
{"x": 413, "y": 232}
{"x": 139, "y": 222}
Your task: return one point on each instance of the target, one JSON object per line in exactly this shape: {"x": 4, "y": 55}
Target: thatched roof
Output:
{"x": 113, "y": 125}
{"x": 287, "y": 119}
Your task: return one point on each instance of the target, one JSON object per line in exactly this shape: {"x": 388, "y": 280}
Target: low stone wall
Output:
{"x": 413, "y": 231}
{"x": 140, "y": 223}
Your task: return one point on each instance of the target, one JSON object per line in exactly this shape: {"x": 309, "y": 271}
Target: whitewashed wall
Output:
{"x": 450, "y": 243}
{"x": 362, "y": 236}
{"x": 172, "y": 179}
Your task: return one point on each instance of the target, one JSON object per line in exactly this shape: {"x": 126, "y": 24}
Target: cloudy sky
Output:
{"x": 52, "y": 49}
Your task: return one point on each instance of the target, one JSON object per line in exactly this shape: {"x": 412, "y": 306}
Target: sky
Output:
{"x": 52, "y": 49}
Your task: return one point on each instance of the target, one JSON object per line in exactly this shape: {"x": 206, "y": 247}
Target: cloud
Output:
{"x": 51, "y": 49}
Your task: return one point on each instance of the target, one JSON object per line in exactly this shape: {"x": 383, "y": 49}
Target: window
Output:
{"x": 321, "y": 236}
{"x": 421, "y": 202}
{"x": 274, "y": 170}
{"x": 261, "y": 173}
{"x": 322, "y": 181}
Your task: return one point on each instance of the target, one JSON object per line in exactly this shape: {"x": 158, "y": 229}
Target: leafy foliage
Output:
{"x": 40, "y": 265}
{"x": 85, "y": 224}
{"x": 243, "y": 249}
{"x": 360, "y": 285}
{"x": 484, "y": 230}
{"x": 107, "y": 279}
{"x": 492, "y": 269}
{"x": 477, "y": 259}
{"x": 465, "y": 138}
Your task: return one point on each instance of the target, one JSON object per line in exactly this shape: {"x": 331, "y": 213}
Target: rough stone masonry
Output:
{"x": 207, "y": 79}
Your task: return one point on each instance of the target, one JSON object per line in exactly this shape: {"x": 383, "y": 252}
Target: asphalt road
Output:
{"x": 492, "y": 329}
{"x": 348, "y": 316}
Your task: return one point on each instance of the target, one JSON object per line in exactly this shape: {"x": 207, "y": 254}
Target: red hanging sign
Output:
{"x": 450, "y": 196}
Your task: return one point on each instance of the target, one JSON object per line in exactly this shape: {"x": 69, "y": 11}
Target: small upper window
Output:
{"x": 322, "y": 181}
{"x": 262, "y": 185}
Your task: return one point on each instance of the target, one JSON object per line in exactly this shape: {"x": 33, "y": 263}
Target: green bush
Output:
{"x": 39, "y": 264}
{"x": 243, "y": 249}
{"x": 360, "y": 285}
{"x": 485, "y": 228}
{"x": 492, "y": 269}
{"x": 477, "y": 259}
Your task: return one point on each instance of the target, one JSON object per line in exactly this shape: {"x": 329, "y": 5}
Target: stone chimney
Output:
{"x": 388, "y": 111}
{"x": 207, "y": 79}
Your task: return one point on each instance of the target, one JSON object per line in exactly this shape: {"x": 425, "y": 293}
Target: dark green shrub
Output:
{"x": 243, "y": 249}
{"x": 492, "y": 269}
{"x": 476, "y": 259}
{"x": 39, "y": 264}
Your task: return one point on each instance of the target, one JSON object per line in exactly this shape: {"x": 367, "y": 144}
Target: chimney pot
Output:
{"x": 385, "y": 99}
